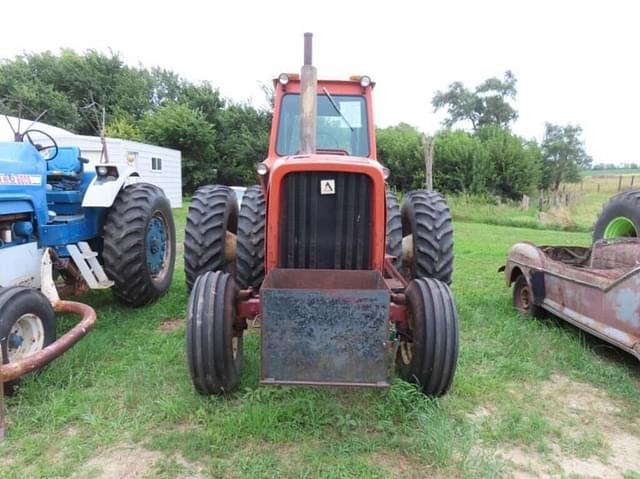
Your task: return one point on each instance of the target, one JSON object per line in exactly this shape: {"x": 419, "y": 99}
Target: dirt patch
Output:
{"x": 399, "y": 465}
{"x": 172, "y": 324}
{"x": 581, "y": 411}
{"x": 123, "y": 462}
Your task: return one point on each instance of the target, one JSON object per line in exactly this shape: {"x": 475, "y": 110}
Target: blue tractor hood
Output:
{"x": 23, "y": 180}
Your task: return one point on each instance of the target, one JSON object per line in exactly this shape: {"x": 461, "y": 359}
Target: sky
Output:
{"x": 576, "y": 62}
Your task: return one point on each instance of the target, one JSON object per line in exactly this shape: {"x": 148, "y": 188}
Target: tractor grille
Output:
{"x": 325, "y": 231}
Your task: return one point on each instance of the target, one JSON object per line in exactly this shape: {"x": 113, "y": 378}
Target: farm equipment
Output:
{"x": 64, "y": 230}
{"x": 595, "y": 288}
{"x": 316, "y": 252}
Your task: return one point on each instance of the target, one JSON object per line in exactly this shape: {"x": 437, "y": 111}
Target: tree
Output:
{"x": 460, "y": 163}
{"x": 516, "y": 166}
{"x": 400, "y": 149}
{"x": 487, "y": 104}
{"x": 563, "y": 154}
{"x": 177, "y": 126}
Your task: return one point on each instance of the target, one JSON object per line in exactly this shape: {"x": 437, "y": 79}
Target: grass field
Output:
{"x": 529, "y": 398}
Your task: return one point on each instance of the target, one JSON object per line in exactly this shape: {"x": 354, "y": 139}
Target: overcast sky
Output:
{"x": 576, "y": 62}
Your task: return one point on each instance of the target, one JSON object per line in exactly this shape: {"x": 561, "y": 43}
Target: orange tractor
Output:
{"x": 348, "y": 286}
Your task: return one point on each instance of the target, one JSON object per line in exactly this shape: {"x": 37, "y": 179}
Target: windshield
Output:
{"x": 344, "y": 129}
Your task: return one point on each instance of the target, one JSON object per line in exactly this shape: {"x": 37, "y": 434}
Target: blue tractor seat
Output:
{"x": 66, "y": 165}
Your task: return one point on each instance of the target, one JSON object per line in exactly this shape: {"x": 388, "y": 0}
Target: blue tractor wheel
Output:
{"x": 139, "y": 244}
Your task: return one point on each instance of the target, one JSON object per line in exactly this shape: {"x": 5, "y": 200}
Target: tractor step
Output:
{"x": 87, "y": 262}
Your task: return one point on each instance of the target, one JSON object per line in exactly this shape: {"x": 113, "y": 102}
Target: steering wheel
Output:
{"x": 41, "y": 148}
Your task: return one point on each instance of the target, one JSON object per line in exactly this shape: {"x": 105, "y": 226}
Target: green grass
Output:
{"x": 127, "y": 383}
{"x": 612, "y": 171}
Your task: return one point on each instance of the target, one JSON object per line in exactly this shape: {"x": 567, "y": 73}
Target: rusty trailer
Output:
{"x": 596, "y": 289}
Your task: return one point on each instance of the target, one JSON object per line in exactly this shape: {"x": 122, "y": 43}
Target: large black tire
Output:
{"x": 215, "y": 362}
{"x": 250, "y": 240}
{"x": 27, "y": 325}
{"x": 394, "y": 229}
{"x": 130, "y": 249}
{"x": 523, "y": 299}
{"x": 620, "y": 217}
{"x": 213, "y": 212}
{"x": 428, "y": 354}
{"x": 425, "y": 216}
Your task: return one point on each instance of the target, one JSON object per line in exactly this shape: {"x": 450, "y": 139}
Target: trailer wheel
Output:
{"x": 394, "y": 229}
{"x": 250, "y": 242}
{"x": 428, "y": 351}
{"x": 139, "y": 251}
{"x": 523, "y": 299}
{"x": 212, "y": 214}
{"x": 27, "y": 325}
{"x": 426, "y": 217}
{"x": 620, "y": 217}
{"x": 214, "y": 346}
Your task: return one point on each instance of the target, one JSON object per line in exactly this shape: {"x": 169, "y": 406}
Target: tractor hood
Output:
{"x": 22, "y": 179}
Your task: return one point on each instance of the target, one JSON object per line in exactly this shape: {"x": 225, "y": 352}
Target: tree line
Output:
{"x": 222, "y": 141}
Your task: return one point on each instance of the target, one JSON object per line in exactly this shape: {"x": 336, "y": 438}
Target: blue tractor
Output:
{"x": 65, "y": 228}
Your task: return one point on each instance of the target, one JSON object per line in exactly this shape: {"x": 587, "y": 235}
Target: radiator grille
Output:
{"x": 325, "y": 231}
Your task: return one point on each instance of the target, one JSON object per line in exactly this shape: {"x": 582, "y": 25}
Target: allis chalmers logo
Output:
{"x": 20, "y": 180}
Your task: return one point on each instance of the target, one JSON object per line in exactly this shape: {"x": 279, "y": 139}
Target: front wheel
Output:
{"x": 27, "y": 325}
{"x": 523, "y": 299}
{"x": 214, "y": 343}
{"x": 428, "y": 350}
{"x": 139, "y": 244}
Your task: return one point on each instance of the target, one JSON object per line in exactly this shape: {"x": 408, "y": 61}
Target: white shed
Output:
{"x": 157, "y": 165}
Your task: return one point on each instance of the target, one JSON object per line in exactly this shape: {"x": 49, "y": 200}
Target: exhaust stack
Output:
{"x": 308, "y": 99}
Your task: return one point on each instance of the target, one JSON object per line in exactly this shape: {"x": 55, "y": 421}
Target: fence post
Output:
{"x": 632, "y": 178}
{"x": 620, "y": 183}
{"x": 598, "y": 187}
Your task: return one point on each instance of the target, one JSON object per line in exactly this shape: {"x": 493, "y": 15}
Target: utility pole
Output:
{"x": 428, "y": 143}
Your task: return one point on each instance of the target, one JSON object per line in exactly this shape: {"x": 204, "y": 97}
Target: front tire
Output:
{"x": 425, "y": 216}
{"x": 523, "y": 299}
{"x": 139, "y": 244}
{"x": 27, "y": 325}
{"x": 428, "y": 351}
{"x": 213, "y": 212}
{"x": 214, "y": 345}
{"x": 620, "y": 217}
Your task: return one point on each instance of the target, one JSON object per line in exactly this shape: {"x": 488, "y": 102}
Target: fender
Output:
{"x": 102, "y": 190}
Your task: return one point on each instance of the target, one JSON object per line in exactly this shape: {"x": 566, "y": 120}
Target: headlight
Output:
{"x": 365, "y": 81}
{"x": 102, "y": 170}
{"x": 283, "y": 79}
{"x": 262, "y": 169}
{"x": 386, "y": 172}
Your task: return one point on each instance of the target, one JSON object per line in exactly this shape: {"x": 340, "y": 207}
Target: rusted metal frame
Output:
{"x": 247, "y": 307}
{"x": 592, "y": 329}
{"x": 392, "y": 271}
{"x": 548, "y": 272}
{"x": 380, "y": 384}
{"x": 14, "y": 370}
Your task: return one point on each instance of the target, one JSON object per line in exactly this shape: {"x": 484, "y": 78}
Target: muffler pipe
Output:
{"x": 308, "y": 99}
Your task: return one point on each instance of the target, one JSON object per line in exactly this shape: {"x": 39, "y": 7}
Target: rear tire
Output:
{"x": 214, "y": 348}
{"x": 428, "y": 352}
{"x": 394, "y": 229}
{"x": 213, "y": 212}
{"x": 250, "y": 242}
{"x": 139, "y": 250}
{"x": 27, "y": 325}
{"x": 620, "y": 217}
{"x": 425, "y": 216}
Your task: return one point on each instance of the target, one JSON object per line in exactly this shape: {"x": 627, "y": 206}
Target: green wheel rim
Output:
{"x": 620, "y": 227}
